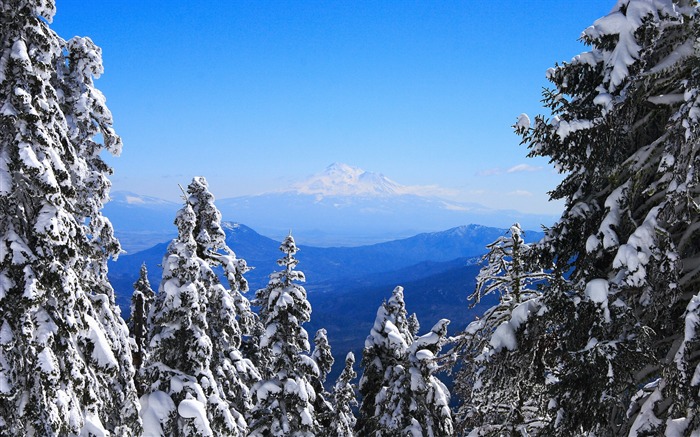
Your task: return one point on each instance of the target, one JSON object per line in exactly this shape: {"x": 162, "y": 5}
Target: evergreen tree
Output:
{"x": 414, "y": 402}
{"x": 284, "y": 398}
{"x": 386, "y": 347}
{"x": 141, "y": 301}
{"x": 625, "y": 131}
{"x": 344, "y": 400}
{"x": 65, "y": 360}
{"x": 225, "y": 307}
{"x": 497, "y": 383}
{"x": 184, "y": 396}
{"x": 323, "y": 358}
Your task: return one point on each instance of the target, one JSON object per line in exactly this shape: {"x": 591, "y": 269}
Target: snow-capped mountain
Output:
{"x": 343, "y": 180}
{"x": 345, "y": 205}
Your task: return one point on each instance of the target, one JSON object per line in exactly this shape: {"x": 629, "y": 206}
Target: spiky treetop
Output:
{"x": 285, "y": 396}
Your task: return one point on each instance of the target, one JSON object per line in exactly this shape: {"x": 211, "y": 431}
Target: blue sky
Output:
{"x": 255, "y": 95}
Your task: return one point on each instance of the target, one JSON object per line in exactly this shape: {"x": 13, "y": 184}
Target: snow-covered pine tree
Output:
{"x": 183, "y": 396}
{"x": 413, "y": 402}
{"x": 625, "y": 132}
{"x": 323, "y": 407}
{"x": 225, "y": 307}
{"x": 430, "y": 410}
{"x": 499, "y": 387}
{"x": 65, "y": 360}
{"x": 344, "y": 400}
{"x": 386, "y": 347}
{"x": 141, "y": 301}
{"x": 284, "y": 398}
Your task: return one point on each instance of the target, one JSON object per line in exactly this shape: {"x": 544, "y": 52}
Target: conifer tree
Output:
{"x": 625, "y": 131}
{"x": 385, "y": 348}
{"x": 195, "y": 376}
{"x": 498, "y": 387}
{"x": 344, "y": 400}
{"x": 284, "y": 398}
{"x": 65, "y": 360}
{"x": 141, "y": 301}
{"x": 225, "y": 307}
{"x": 323, "y": 358}
{"x": 413, "y": 401}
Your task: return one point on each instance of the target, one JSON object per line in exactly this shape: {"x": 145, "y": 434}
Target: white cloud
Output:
{"x": 523, "y": 167}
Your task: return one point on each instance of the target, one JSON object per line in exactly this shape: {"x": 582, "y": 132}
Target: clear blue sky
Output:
{"x": 256, "y": 94}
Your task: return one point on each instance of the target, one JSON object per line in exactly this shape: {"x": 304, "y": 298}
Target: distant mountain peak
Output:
{"x": 340, "y": 179}
{"x": 129, "y": 198}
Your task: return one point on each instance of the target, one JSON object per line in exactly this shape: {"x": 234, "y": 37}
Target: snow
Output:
{"x": 522, "y": 312}
{"x": 638, "y": 250}
{"x": 264, "y": 390}
{"x": 624, "y": 24}
{"x": 19, "y": 52}
{"x": 156, "y": 408}
{"x": 6, "y": 335}
{"x": 523, "y": 123}
{"x": 677, "y": 427}
{"x": 101, "y": 352}
{"x": 193, "y": 409}
{"x": 28, "y": 157}
{"x": 93, "y": 427}
{"x": 612, "y": 218}
{"x": 340, "y": 179}
{"x": 690, "y": 334}
{"x": 504, "y": 337}
{"x": 597, "y": 290}
{"x": 592, "y": 243}
{"x": 48, "y": 364}
{"x": 5, "y": 176}
{"x": 565, "y": 128}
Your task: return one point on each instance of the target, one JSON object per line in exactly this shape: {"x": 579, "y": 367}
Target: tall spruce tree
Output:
{"x": 344, "y": 400}
{"x": 225, "y": 307}
{"x": 386, "y": 347}
{"x": 196, "y": 375}
{"x": 141, "y": 301}
{"x": 414, "y": 402}
{"x": 324, "y": 360}
{"x": 65, "y": 360}
{"x": 625, "y": 132}
{"x": 285, "y": 397}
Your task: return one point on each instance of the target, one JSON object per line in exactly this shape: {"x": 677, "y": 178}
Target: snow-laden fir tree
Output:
{"x": 194, "y": 378}
{"x": 284, "y": 398}
{"x": 344, "y": 400}
{"x": 141, "y": 301}
{"x": 324, "y": 360}
{"x": 400, "y": 393}
{"x": 65, "y": 360}
{"x": 620, "y": 336}
{"x": 385, "y": 348}
{"x": 499, "y": 386}
{"x": 414, "y": 402}
{"x": 228, "y": 312}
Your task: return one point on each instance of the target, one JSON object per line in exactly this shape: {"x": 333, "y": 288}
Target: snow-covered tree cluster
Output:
{"x": 609, "y": 344}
